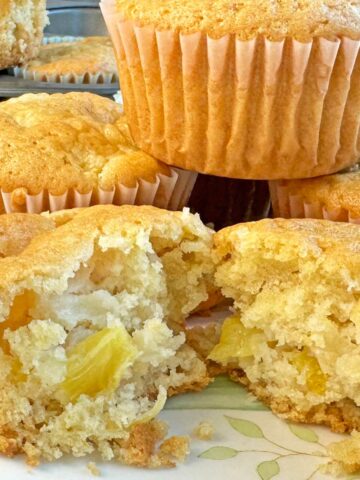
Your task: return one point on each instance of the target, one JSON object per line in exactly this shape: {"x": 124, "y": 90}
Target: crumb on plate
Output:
{"x": 204, "y": 431}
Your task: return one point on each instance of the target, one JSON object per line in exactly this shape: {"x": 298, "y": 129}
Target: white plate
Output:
{"x": 249, "y": 444}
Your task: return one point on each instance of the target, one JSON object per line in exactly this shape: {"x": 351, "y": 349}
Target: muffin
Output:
{"x": 86, "y": 60}
{"x": 74, "y": 150}
{"x": 92, "y": 339}
{"x": 252, "y": 90}
{"x": 333, "y": 197}
{"x": 21, "y": 30}
{"x": 18, "y": 229}
{"x": 293, "y": 337}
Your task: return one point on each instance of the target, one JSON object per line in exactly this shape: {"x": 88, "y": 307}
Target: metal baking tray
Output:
{"x": 67, "y": 17}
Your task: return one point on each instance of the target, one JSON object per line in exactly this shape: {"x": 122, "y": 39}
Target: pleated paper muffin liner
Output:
{"x": 289, "y": 205}
{"x": 170, "y": 192}
{"x": 255, "y": 109}
{"x": 85, "y": 78}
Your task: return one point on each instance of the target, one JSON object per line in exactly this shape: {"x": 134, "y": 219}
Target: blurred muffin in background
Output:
{"x": 83, "y": 60}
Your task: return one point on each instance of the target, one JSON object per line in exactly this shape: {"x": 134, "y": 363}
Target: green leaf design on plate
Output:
{"x": 245, "y": 427}
{"x": 219, "y": 453}
{"x": 304, "y": 433}
{"x": 268, "y": 470}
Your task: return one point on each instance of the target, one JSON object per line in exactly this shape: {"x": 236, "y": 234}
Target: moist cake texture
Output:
{"x": 91, "y": 334}
{"x": 293, "y": 337}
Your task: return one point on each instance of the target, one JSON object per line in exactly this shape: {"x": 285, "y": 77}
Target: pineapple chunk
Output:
{"x": 18, "y": 316}
{"x": 236, "y": 341}
{"x": 315, "y": 378}
{"x": 98, "y": 363}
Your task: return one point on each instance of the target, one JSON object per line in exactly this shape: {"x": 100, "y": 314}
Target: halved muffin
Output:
{"x": 294, "y": 335}
{"x": 92, "y": 338}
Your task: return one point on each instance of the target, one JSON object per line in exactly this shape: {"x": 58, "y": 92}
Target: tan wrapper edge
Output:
{"x": 287, "y": 205}
{"x": 171, "y": 192}
{"x": 193, "y": 101}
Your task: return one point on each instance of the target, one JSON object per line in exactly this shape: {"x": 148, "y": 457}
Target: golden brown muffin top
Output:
{"x": 62, "y": 141}
{"x": 274, "y": 19}
{"x": 341, "y": 190}
{"x": 58, "y": 253}
{"x": 18, "y": 229}
{"x": 89, "y": 55}
{"x": 337, "y": 239}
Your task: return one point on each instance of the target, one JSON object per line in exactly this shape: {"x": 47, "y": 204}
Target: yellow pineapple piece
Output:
{"x": 315, "y": 377}
{"x": 236, "y": 341}
{"x": 18, "y": 316}
{"x": 98, "y": 363}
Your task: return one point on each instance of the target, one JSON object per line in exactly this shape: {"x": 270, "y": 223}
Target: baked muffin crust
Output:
{"x": 274, "y": 19}
{"x": 63, "y": 141}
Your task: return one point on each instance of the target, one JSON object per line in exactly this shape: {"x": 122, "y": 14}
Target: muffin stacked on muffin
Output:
{"x": 247, "y": 90}
{"x": 258, "y": 90}
{"x": 21, "y": 30}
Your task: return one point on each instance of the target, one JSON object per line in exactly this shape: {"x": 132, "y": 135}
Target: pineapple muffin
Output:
{"x": 293, "y": 338}
{"x": 18, "y": 229}
{"x": 88, "y": 60}
{"x": 21, "y": 30}
{"x": 333, "y": 197}
{"x": 73, "y": 150}
{"x": 91, "y": 334}
{"x": 260, "y": 90}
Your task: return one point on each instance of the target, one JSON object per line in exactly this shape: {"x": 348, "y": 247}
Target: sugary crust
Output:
{"x": 63, "y": 141}
{"x": 340, "y": 240}
{"x": 21, "y": 30}
{"x": 339, "y": 191}
{"x": 273, "y": 19}
{"x": 18, "y": 229}
{"x": 341, "y": 417}
{"x": 90, "y": 55}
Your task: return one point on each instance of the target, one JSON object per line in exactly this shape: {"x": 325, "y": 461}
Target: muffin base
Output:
{"x": 341, "y": 417}
{"x": 170, "y": 192}
{"x": 287, "y": 205}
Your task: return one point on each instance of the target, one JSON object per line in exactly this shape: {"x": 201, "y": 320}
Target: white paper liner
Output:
{"x": 288, "y": 205}
{"x": 169, "y": 192}
{"x": 293, "y": 116}
{"x": 85, "y": 78}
